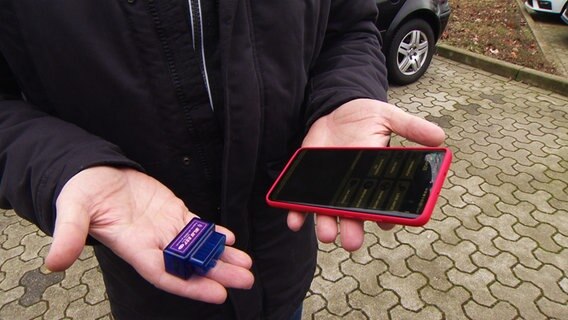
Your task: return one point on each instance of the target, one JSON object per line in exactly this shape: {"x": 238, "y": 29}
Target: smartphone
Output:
{"x": 390, "y": 184}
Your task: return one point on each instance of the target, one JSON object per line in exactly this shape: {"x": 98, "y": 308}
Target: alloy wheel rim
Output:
{"x": 412, "y": 52}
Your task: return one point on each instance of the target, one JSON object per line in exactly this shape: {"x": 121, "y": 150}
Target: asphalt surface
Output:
{"x": 496, "y": 247}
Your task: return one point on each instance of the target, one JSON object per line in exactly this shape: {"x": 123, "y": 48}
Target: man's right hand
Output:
{"x": 136, "y": 217}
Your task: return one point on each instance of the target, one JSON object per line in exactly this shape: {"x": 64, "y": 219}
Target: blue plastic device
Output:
{"x": 195, "y": 249}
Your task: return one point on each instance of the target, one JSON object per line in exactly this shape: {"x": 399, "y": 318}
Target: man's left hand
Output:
{"x": 361, "y": 123}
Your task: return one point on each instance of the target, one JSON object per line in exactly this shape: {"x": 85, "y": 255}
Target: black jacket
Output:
{"x": 86, "y": 83}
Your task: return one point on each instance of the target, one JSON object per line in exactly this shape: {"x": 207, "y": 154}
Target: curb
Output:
{"x": 506, "y": 69}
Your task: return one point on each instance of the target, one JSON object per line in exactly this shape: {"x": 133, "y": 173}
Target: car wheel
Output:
{"x": 564, "y": 13}
{"x": 410, "y": 52}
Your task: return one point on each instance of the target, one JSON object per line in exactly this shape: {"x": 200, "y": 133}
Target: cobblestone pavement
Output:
{"x": 496, "y": 247}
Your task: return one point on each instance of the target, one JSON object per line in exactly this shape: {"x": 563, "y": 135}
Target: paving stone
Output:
{"x": 536, "y": 170}
{"x": 503, "y": 191}
{"x": 503, "y": 224}
{"x": 312, "y": 304}
{"x": 15, "y": 269}
{"x": 454, "y": 196}
{"x": 559, "y": 219}
{"x": 522, "y": 297}
{"x": 522, "y": 249}
{"x": 96, "y": 293}
{"x": 35, "y": 283}
{"x": 501, "y": 266}
{"x": 434, "y": 270}
{"x": 445, "y": 229}
{"x": 15, "y": 233}
{"x": 59, "y": 299}
{"x": 487, "y": 203}
{"x": 366, "y": 276}
{"x": 374, "y": 307}
{"x": 483, "y": 239}
{"x": 564, "y": 284}
{"x": 78, "y": 309}
{"x": 422, "y": 243}
{"x": 539, "y": 199}
{"x": 488, "y": 174}
{"x": 6, "y": 255}
{"x": 459, "y": 253}
{"x": 354, "y": 315}
{"x": 327, "y": 247}
{"x": 476, "y": 284}
{"x": 386, "y": 239}
{"x": 9, "y": 217}
{"x": 507, "y": 165}
{"x": 561, "y": 240}
{"x": 363, "y": 256}
{"x": 13, "y": 310}
{"x": 522, "y": 181}
{"x": 557, "y": 188}
{"x": 519, "y": 155}
{"x": 518, "y": 134}
{"x": 501, "y": 310}
{"x": 393, "y": 258}
{"x": 472, "y": 184}
{"x": 547, "y": 279}
{"x": 542, "y": 234}
{"x": 335, "y": 293}
{"x": 450, "y": 302}
{"x": 490, "y": 152}
{"x": 559, "y": 260}
{"x": 428, "y": 312}
{"x": 10, "y": 295}
{"x": 406, "y": 288}
{"x": 534, "y": 147}
{"x": 460, "y": 168}
{"x": 552, "y": 310}
{"x": 32, "y": 244}
{"x": 73, "y": 275}
{"x": 551, "y": 162}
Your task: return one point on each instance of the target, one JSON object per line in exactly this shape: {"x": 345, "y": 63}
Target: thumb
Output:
{"x": 69, "y": 236}
{"x": 415, "y": 128}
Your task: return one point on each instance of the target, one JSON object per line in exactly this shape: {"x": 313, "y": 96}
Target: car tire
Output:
{"x": 410, "y": 52}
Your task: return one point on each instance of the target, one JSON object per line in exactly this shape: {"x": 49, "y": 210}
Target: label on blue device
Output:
{"x": 188, "y": 237}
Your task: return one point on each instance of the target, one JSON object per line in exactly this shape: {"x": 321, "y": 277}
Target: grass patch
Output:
{"x": 495, "y": 29}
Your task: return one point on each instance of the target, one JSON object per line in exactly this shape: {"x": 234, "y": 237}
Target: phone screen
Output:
{"x": 383, "y": 181}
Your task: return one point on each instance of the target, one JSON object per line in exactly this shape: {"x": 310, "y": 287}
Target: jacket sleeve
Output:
{"x": 350, "y": 64}
{"x": 39, "y": 153}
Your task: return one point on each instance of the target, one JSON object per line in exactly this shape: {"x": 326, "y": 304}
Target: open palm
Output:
{"x": 361, "y": 123}
{"x": 136, "y": 217}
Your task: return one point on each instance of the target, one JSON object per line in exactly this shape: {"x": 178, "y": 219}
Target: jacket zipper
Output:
{"x": 196, "y": 19}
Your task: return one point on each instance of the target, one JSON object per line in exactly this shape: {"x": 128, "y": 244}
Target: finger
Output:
{"x": 230, "y": 236}
{"x": 296, "y": 220}
{"x": 326, "y": 228}
{"x": 414, "y": 128}
{"x": 209, "y": 288}
{"x": 352, "y": 234}
{"x": 195, "y": 288}
{"x": 69, "y": 236}
{"x": 385, "y": 226}
{"x": 236, "y": 257}
{"x": 231, "y": 276}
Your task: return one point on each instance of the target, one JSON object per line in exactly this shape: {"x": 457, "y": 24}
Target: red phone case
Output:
{"x": 417, "y": 221}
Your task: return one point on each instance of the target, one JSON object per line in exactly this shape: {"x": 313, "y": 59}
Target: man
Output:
{"x": 121, "y": 120}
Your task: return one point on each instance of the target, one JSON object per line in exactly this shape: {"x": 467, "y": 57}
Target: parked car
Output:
{"x": 410, "y": 30}
{"x": 556, "y": 7}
